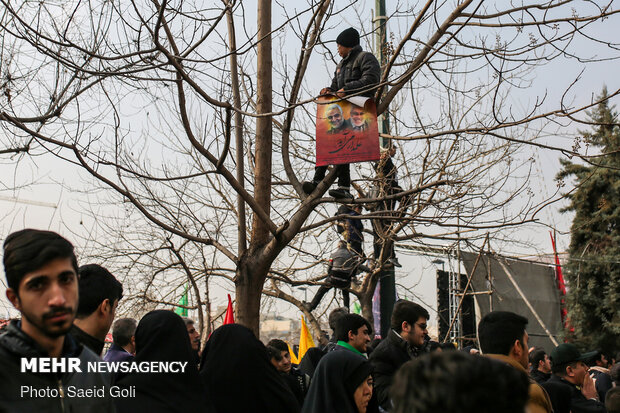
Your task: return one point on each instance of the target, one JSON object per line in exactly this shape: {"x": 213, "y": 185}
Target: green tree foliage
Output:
{"x": 593, "y": 271}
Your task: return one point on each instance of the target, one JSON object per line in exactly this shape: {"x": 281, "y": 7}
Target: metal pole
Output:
{"x": 387, "y": 279}
{"x": 380, "y": 22}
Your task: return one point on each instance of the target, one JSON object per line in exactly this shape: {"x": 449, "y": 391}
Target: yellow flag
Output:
{"x": 305, "y": 340}
{"x": 294, "y": 358}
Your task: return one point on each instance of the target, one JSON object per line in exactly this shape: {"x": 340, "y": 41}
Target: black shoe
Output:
{"x": 309, "y": 187}
{"x": 341, "y": 193}
{"x": 394, "y": 262}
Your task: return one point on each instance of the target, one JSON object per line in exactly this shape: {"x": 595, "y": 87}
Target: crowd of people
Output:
{"x": 67, "y": 311}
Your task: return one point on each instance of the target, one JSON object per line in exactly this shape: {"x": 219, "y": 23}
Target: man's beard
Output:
{"x": 40, "y": 324}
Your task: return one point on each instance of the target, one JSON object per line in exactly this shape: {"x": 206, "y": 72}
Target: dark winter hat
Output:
{"x": 567, "y": 353}
{"x": 348, "y": 38}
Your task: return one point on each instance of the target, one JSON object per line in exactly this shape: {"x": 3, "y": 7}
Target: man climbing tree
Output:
{"x": 357, "y": 74}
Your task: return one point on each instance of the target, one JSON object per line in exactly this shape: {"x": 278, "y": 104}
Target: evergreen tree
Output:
{"x": 593, "y": 271}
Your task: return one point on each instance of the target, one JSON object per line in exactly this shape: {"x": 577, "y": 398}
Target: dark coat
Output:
{"x": 239, "y": 376}
{"x": 15, "y": 344}
{"x": 351, "y": 229}
{"x": 387, "y": 171}
{"x": 603, "y": 381}
{"x": 357, "y": 72}
{"x": 87, "y": 340}
{"x": 343, "y": 260}
{"x": 117, "y": 353}
{"x": 162, "y": 336}
{"x": 386, "y": 359}
{"x": 298, "y": 382}
{"x": 539, "y": 377}
{"x": 566, "y": 397}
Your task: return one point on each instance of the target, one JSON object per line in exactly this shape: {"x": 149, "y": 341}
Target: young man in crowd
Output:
{"x": 598, "y": 368}
{"x": 42, "y": 278}
{"x": 353, "y": 334}
{"x": 502, "y": 337}
{"x": 311, "y": 359}
{"x": 570, "y": 387}
{"x": 404, "y": 342}
{"x": 123, "y": 346}
{"x": 281, "y": 359}
{"x": 541, "y": 366}
{"x": 100, "y": 293}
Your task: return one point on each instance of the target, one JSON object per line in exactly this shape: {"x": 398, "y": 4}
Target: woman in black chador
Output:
{"x": 239, "y": 376}
{"x": 162, "y": 336}
{"x": 342, "y": 383}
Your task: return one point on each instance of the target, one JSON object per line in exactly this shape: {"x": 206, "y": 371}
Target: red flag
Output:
{"x": 229, "y": 318}
{"x": 558, "y": 267}
{"x": 561, "y": 287}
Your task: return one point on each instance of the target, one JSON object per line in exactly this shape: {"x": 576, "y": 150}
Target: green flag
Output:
{"x": 357, "y": 308}
{"x": 182, "y": 311}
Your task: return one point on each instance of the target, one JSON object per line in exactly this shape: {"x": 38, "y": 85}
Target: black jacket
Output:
{"x": 386, "y": 359}
{"x": 298, "y": 382}
{"x": 603, "y": 381}
{"x": 14, "y": 345}
{"x": 87, "y": 340}
{"x": 539, "y": 377}
{"x": 356, "y": 73}
{"x": 566, "y": 397}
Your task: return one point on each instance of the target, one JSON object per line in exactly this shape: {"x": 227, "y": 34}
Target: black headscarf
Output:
{"x": 335, "y": 380}
{"x": 239, "y": 376}
{"x": 311, "y": 360}
{"x": 162, "y": 336}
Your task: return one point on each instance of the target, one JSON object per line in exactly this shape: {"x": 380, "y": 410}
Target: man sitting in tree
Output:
{"x": 357, "y": 74}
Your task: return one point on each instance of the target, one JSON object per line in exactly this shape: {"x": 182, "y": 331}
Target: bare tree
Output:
{"x": 181, "y": 114}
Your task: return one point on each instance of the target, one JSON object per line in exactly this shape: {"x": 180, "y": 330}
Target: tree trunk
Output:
{"x": 249, "y": 282}
{"x": 262, "y": 170}
{"x": 251, "y": 274}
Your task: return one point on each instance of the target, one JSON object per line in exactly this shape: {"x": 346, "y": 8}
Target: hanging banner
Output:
{"x": 376, "y": 310}
{"x": 346, "y": 131}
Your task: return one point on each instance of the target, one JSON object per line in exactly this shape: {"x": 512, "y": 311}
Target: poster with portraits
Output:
{"x": 346, "y": 131}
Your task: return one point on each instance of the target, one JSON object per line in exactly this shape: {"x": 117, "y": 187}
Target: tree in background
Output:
{"x": 193, "y": 128}
{"x": 594, "y": 266}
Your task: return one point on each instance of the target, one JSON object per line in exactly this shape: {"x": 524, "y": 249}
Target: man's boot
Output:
{"x": 341, "y": 193}
{"x": 309, "y": 187}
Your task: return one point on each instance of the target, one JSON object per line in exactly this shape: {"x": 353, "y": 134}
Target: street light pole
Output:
{"x": 387, "y": 279}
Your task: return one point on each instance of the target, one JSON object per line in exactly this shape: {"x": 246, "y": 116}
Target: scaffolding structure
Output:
{"x": 454, "y": 292}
